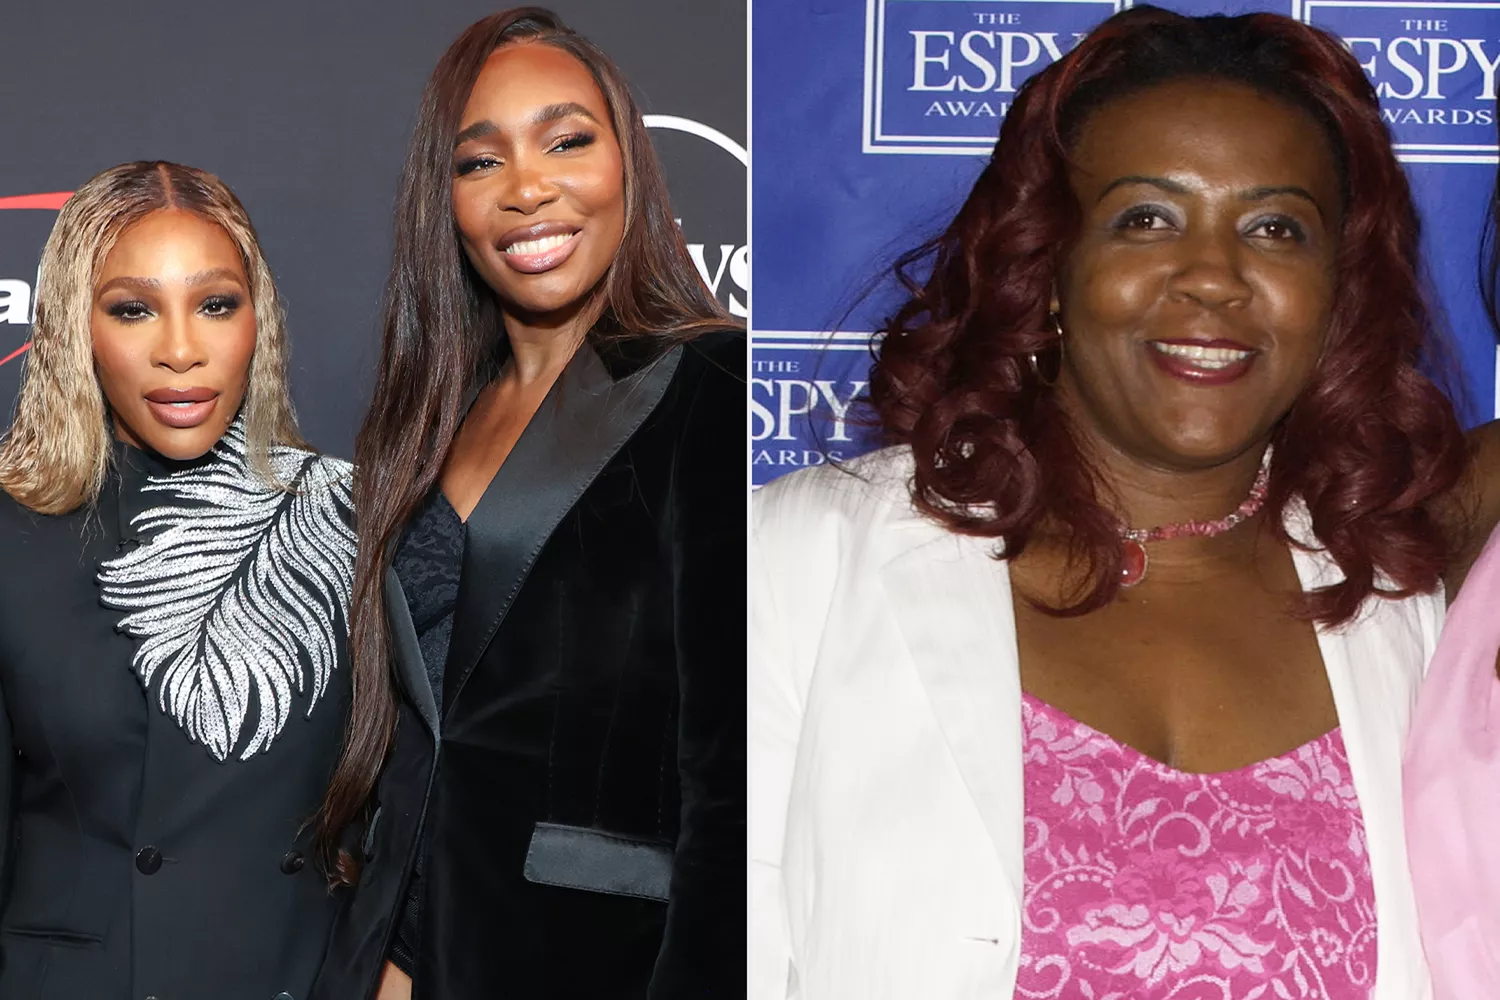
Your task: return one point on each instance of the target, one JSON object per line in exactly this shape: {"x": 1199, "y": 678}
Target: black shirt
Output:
{"x": 175, "y": 683}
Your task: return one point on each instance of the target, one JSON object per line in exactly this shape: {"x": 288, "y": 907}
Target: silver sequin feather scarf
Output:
{"x": 239, "y": 593}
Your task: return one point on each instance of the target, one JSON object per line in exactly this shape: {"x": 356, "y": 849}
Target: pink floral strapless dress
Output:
{"x": 1147, "y": 883}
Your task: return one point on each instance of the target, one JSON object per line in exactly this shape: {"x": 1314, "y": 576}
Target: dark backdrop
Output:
{"x": 304, "y": 107}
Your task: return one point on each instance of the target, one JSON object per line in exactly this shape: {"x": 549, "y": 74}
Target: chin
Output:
{"x": 184, "y": 454}
{"x": 543, "y": 304}
{"x": 541, "y": 298}
{"x": 1206, "y": 439}
{"x": 183, "y": 446}
{"x": 1206, "y": 454}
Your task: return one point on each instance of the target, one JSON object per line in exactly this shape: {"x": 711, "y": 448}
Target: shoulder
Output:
{"x": 47, "y": 558}
{"x": 14, "y": 514}
{"x": 704, "y": 402}
{"x": 20, "y": 524}
{"x": 21, "y": 530}
{"x": 318, "y": 481}
{"x": 714, "y": 364}
{"x": 1469, "y": 626}
{"x": 872, "y": 487}
{"x": 313, "y": 470}
{"x": 824, "y": 544}
{"x": 1470, "y": 511}
{"x": 836, "y": 509}
{"x": 720, "y": 352}
{"x": 1392, "y": 635}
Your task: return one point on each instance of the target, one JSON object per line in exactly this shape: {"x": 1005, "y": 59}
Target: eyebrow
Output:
{"x": 542, "y": 116}
{"x": 1252, "y": 194}
{"x": 1262, "y": 193}
{"x": 152, "y": 284}
{"x": 1171, "y": 187}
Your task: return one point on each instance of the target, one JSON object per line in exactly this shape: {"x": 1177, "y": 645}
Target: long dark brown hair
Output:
{"x": 442, "y": 334}
{"x": 1368, "y": 444}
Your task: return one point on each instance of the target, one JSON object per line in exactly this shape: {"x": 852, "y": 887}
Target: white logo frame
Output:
{"x": 873, "y": 133}
{"x": 1416, "y": 152}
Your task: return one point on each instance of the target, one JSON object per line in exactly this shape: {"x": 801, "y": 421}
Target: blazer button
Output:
{"x": 291, "y": 865}
{"x": 148, "y": 861}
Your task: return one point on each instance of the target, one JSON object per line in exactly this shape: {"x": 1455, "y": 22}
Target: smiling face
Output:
{"x": 1197, "y": 298}
{"x": 538, "y": 181}
{"x": 173, "y": 333}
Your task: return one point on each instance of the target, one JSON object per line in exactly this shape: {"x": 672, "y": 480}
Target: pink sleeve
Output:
{"x": 1452, "y": 792}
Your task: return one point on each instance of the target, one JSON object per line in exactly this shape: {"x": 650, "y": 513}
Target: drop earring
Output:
{"x": 1048, "y": 379}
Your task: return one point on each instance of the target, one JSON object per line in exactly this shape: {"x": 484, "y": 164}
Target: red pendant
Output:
{"x": 1132, "y": 563}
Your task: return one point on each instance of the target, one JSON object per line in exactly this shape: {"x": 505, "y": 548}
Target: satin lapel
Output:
{"x": 410, "y": 670}
{"x": 1374, "y": 666}
{"x": 585, "y": 419}
{"x": 952, "y": 603}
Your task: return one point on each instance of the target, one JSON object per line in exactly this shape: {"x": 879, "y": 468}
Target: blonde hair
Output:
{"x": 56, "y": 455}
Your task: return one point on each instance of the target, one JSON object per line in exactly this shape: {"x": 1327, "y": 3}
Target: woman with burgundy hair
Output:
{"x": 1095, "y": 682}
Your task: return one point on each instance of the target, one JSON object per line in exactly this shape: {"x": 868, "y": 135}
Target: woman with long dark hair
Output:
{"x": 545, "y": 763}
{"x": 1096, "y": 681}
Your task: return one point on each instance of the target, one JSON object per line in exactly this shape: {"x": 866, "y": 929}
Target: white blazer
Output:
{"x": 886, "y": 799}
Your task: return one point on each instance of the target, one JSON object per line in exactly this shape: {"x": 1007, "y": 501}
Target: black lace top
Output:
{"x": 428, "y": 561}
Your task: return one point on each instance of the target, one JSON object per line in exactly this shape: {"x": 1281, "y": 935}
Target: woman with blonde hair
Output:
{"x": 173, "y": 664}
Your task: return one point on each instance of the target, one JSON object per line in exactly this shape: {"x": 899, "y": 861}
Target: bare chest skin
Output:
{"x": 486, "y": 437}
{"x": 1204, "y": 671}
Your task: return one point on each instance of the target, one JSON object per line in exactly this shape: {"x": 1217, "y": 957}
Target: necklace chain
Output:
{"x": 1208, "y": 529}
{"x": 1134, "y": 561}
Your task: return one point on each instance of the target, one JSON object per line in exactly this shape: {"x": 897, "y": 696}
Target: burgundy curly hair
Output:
{"x": 1367, "y": 445}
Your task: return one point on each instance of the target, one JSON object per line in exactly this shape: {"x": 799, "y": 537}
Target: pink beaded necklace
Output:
{"x": 1133, "y": 561}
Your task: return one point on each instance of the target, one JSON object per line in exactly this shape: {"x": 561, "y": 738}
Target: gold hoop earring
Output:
{"x": 1056, "y": 368}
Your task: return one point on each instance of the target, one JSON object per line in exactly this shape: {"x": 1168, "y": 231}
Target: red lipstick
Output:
{"x": 1203, "y": 362}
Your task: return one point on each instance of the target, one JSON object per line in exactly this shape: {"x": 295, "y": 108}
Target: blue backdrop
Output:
{"x": 872, "y": 118}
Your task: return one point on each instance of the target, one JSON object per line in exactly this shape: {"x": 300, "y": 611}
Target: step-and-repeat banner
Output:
{"x": 304, "y": 109}
{"x": 872, "y": 118}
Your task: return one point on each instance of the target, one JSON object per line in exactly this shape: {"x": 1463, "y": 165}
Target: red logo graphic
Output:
{"x": 52, "y": 200}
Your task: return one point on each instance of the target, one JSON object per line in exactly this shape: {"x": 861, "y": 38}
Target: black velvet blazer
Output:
{"x": 153, "y": 819}
{"x": 583, "y": 790}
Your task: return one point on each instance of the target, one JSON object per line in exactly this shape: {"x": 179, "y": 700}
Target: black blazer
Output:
{"x": 584, "y": 792}
{"x": 144, "y": 857}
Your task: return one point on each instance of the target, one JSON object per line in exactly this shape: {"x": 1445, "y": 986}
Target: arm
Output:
{"x": 394, "y": 984}
{"x": 7, "y": 800}
{"x": 7, "y": 805}
{"x": 703, "y": 948}
{"x": 776, "y": 711}
{"x": 1470, "y": 512}
{"x": 796, "y": 537}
